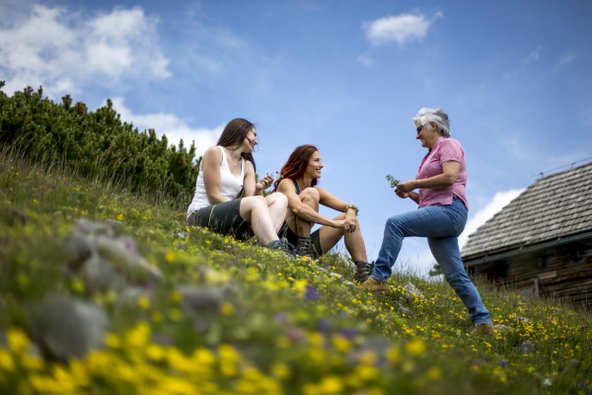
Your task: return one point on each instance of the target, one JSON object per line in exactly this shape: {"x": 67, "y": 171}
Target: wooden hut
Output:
{"x": 541, "y": 242}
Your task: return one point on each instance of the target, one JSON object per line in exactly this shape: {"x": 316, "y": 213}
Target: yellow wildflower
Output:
{"x": 143, "y": 303}
{"x": 139, "y": 335}
{"x": 203, "y": 357}
{"x": 156, "y": 316}
{"x": 280, "y": 370}
{"x": 175, "y": 296}
{"x": 176, "y": 386}
{"x": 112, "y": 340}
{"x": 155, "y": 352}
{"x": 17, "y": 340}
{"x": 331, "y": 385}
{"x": 366, "y": 373}
{"x": 215, "y": 277}
{"x": 434, "y": 373}
{"x": 299, "y": 286}
{"x": 170, "y": 256}
{"x": 316, "y": 339}
{"x": 178, "y": 361}
{"x": 416, "y": 347}
{"x": 6, "y": 362}
{"x": 227, "y": 309}
{"x": 229, "y": 359}
{"x": 77, "y": 285}
{"x": 393, "y": 354}
{"x": 341, "y": 343}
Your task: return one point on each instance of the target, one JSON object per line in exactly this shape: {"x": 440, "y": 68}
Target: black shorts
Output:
{"x": 223, "y": 218}
{"x": 292, "y": 238}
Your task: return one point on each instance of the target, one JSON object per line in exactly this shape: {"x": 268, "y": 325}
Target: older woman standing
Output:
{"x": 441, "y": 217}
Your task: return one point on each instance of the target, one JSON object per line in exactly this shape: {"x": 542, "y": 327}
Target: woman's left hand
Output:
{"x": 264, "y": 183}
{"x": 404, "y": 188}
{"x": 351, "y": 223}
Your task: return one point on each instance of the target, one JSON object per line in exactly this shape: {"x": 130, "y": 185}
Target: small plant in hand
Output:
{"x": 392, "y": 180}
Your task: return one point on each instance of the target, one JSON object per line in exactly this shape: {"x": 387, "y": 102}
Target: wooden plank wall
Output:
{"x": 563, "y": 273}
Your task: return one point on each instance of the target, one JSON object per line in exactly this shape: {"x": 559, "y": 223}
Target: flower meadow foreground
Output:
{"x": 107, "y": 292}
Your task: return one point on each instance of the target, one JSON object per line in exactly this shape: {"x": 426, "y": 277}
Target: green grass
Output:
{"x": 259, "y": 323}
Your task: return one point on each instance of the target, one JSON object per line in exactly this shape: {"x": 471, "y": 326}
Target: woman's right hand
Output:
{"x": 339, "y": 223}
{"x": 404, "y": 189}
{"x": 401, "y": 194}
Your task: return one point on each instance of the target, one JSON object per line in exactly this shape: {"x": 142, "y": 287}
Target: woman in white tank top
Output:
{"x": 227, "y": 170}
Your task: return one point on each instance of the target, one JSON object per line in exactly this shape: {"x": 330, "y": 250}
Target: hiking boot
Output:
{"x": 482, "y": 330}
{"x": 306, "y": 248}
{"x": 282, "y": 245}
{"x": 363, "y": 271}
{"x": 373, "y": 285}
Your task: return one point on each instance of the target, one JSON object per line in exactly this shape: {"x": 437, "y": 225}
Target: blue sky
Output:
{"x": 514, "y": 76}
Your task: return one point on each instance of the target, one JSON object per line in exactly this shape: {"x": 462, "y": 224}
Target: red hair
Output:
{"x": 297, "y": 163}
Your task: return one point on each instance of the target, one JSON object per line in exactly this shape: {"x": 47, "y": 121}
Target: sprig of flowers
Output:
{"x": 392, "y": 180}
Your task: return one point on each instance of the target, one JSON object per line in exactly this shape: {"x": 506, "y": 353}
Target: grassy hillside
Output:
{"x": 107, "y": 292}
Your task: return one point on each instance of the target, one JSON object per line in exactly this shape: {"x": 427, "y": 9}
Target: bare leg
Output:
{"x": 354, "y": 242}
{"x": 254, "y": 210}
{"x": 278, "y": 205}
{"x": 310, "y": 197}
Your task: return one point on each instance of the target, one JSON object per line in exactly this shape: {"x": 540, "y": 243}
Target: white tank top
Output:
{"x": 230, "y": 185}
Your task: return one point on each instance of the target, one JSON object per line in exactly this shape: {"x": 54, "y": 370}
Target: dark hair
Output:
{"x": 234, "y": 134}
{"x": 296, "y": 164}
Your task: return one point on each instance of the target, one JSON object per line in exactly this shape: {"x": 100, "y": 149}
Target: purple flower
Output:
{"x": 324, "y": 325}
{"x": 294, "y": 334}
{"x": 311, "y": 293}
{"x": 281, "y": 318}
{"x": 348, "y": 333}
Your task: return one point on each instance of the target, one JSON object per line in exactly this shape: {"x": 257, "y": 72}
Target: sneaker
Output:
{"x": 482, "y": 330}
{"x": 282, "y": 245}
{"x": 306, "y": 248}
{"x": 373, "y": 285}
{"x": 363, "y": 271}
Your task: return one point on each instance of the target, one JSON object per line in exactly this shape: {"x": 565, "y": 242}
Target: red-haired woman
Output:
{"x": 298, "y": 181}
{"x": 225, "y": 170}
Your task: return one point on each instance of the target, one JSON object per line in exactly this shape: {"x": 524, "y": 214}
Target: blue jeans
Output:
{"x": 441, "y": 225}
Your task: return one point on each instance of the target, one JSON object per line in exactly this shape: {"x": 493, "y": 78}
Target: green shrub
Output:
{"x": 95, "y": 144}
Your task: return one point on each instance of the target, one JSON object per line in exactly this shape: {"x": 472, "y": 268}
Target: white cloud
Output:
{"x": 533, "y": 57}
{"x": 535, "y": 54}
{"x": 499, "y": 201}
{"x": 415, "y": 258}
{"x": 399, "y": 29}
{"x": 170, "y": 125}
{"x": 61, "y": 51}
{"x": 565, "y": 60}
{"x": 366, "y": 60}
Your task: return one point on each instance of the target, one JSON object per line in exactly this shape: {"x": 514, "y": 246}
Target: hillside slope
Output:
{"x": 107, "y": 292}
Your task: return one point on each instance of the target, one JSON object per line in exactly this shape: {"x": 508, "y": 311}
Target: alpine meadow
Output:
{"x": 105, "y": 290}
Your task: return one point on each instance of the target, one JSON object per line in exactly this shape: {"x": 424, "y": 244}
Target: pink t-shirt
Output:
{"x": 446, "y": 149}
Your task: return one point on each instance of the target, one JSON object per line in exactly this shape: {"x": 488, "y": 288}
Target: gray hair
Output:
{"x": 436, "y": 115}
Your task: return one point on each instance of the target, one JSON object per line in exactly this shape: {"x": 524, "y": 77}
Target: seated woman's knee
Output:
{"x": 254, "y": 200}
{"x": 310, "y": 193}
{"x": 277, "y": 198}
